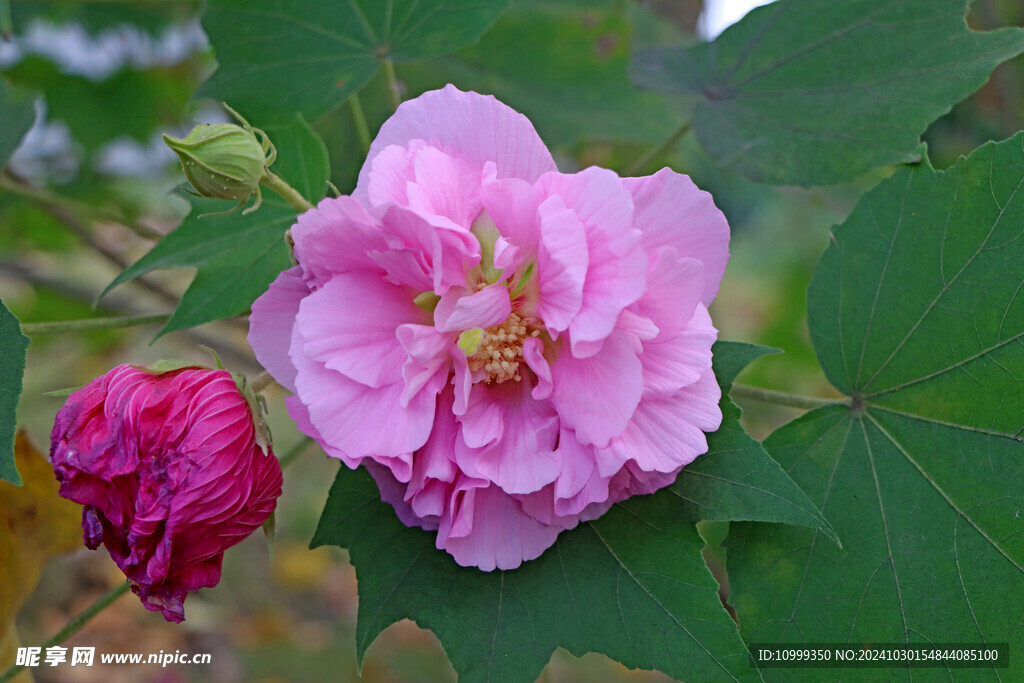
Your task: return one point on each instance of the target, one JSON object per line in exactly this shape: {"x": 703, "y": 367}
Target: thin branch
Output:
{"x": 48, "y": 199}
{"x": 89, "y": 324}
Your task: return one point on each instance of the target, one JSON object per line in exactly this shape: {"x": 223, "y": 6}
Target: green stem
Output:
{"x": 75, "y": 625}
{"x": 359, "y": 118}
{"x": 261, "y": 382}
{"x": 295, "y": 451}
{"x": 641, "y": 163}
{"x": 88, "y": 324}
{"x": 782, "y": 398}
{"x": 290, "y": 194}
{"x": 389, "y": 73}
{"x": 46, "y": 199}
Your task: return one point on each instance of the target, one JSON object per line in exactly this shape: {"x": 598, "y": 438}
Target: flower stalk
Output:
{"x": 782, "y": 398}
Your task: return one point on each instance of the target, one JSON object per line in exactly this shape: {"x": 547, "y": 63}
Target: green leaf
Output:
{"x": 588, "y": 95}
{"x": 237, "y": 256}
{"x": 310, "y": 56}
{"x": 817, "y": 92}
{"x": 18, "y": 113}
{"x": 737, "y": 479}
{"x": 13, "y": 345}
{"x": 630, "y": 584}
{"x": 916, "y": 313}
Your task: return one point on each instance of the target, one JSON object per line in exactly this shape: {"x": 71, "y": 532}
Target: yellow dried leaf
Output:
{"x": 35, "y": 525}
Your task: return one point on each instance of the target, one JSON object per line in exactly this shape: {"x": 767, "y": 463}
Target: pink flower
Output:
{"x": 171, "y": 474}
{"x": 508, "y": 349}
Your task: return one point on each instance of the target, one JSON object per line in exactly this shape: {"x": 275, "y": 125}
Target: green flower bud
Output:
{"x": 221, "y": 160}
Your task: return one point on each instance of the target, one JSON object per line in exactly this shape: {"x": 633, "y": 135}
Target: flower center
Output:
{"x": 498, "y": 350}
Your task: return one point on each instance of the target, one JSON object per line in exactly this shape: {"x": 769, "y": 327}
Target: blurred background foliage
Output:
{"x": 91, "y": 188}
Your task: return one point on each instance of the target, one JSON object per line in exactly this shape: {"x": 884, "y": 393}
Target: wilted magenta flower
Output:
{"x": 171, "y": 472}
{"x": 508, "y": 349}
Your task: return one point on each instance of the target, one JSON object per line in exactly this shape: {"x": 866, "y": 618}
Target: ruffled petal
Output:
{"x": 349, "y": 325}
{"x": 339, "y": 236}
{"x": 426, "y": 252}
{"x": 666, "y": 434}
{"x": 499, "y": 534}
{"x": 477, "y": 128}
{"x": 523, "y": 459}
{"x": 682, "y": 360}
{"x": 271, "y": 322}
{"x": 617, "y": 263}
{"x": 459, "y": 309}
{"x": 672, "y": 212}
{"x": 361, "y": 421}
{"x": 561, "y": 265}
{"x": 674, "y": 288}
{"x": 597, "y": 396}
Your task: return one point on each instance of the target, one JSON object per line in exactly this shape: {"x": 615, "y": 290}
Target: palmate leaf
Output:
{"x": 814, "y": 92}
{"x": 237, "y": 256}
{"x": 631, "y": 584}
{"x": 310, "y": 56}
{"x": 565, "y": 68}
{"x": 13, "y": 345}
{"x": 916, "y": 313}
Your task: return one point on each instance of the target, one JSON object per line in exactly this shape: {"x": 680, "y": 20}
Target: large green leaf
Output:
{"x": 814, "y": 92}
{"x": 17, "y": 113}
{"x": 310, "y": 56}
{"x": 565, "y": 68}
{"x": 630, "y": 584}
{"x": 916, "y": 313}
{"x": 13, "y": 345}
{"x": 237, "y": 256}
{"x": 736, "y": 479}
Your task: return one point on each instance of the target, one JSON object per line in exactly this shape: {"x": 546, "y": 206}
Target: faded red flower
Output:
{"x": 171, "y": 471}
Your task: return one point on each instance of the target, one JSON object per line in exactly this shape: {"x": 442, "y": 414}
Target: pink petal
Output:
{"x": 512, "y": 205}
{"x": 579, "y": 484}
{"x": 446, "y": 186}
{"x": 533, "y": 354}
{"x": 562, "y": 264}
{"x": 336, "y": 237}
{"x": 271, "y": 322}
{"x": 427, "y": 351}
{"x": 672, "y": 211}
{"x": 428, "y": 244}
{"x": 362, "y": 421}
{"x": 523, "y": 459}
{"x": 674, "y": 288}
{"x": 350, "y": 325}
{"x": 500, "y": 536}
{"x": 682, "y": 360}
{"x": 666, "y": 434}
{"x": 300, "y": 416}
{"x": 391, "y": 172}
{"x": 459, "y": 309}
{"x": 597, "y": 396}
{"x": 474, "y": 127}
{"x": 617, "y": 263}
